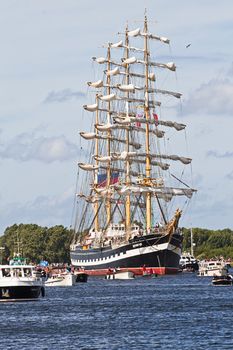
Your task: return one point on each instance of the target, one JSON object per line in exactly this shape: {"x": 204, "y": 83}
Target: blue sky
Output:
{"x": 45, "y": 61}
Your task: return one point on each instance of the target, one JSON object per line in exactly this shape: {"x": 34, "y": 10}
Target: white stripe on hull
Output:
{"x": 129, "y": 254}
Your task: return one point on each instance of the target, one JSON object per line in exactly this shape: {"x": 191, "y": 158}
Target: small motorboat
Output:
{"x": 120, "y": 275}
{"x": 226, "y": 280}
{"x": 20, "y": 281}
{"x": 188, "y": 263}
{"x": 212, "y": 268}
{"x": 62, "y": 279}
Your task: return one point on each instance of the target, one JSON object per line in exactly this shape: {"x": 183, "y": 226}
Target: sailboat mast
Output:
{"x": 127, "y": 200}
{"x": 191, "y": 234}
{"x": 108, "y": 202}
{"x": 147, "y": 115}
{"x": 96, "y": 205}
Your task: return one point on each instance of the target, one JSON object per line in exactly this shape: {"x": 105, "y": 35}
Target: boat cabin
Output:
{"x": 213, "y": 268}
{"x": 17, "y": 271}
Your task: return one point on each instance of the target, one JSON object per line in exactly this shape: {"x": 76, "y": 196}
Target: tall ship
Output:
{"x": 132, "y": 186}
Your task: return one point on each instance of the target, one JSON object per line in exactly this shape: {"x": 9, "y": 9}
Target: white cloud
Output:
{"x": 27, "y": 147}
{"x": 210, "y": 210}
{"x": 53, "y": 44}
{"x": 44, "y": 211}
{"x": 214, "y": 97}
{"x": 63, "y": 96}
{"x": 230, "y": 176}
{"x": 219, "y": 155}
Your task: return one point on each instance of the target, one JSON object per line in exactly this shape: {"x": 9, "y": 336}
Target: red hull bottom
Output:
{"x": 138, "y": 271}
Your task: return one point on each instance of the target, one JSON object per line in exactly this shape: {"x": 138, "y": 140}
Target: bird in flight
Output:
{"x": 188, "y": 45}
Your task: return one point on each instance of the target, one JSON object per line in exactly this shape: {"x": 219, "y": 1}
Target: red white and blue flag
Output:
{"x": 102, "y": 179}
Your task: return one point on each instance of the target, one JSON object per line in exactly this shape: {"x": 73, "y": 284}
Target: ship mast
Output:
{"x": 108, "y": 202}
{"x": 147, "y": 114}
{"x": 96, "y": 205}
{"x": 127, "y": 177}
{"x": 115, "y": 120}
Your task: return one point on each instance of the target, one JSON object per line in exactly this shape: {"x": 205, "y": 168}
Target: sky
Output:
{"x": 45, "y": 62}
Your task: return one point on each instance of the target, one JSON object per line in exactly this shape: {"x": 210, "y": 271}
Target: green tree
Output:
{"x": 37, "y": 243}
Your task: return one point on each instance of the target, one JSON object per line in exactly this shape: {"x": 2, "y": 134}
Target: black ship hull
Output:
{"x": 21, "y": 292}
{"x": 154, "y": 251}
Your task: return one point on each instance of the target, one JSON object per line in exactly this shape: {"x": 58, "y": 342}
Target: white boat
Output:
{"x": 188, "y": 263}
{"x": 63, "y": 280}
{"x": 212, "y": 268}
{"x": 20, "y": 282}
{"x": 120, "y": 275}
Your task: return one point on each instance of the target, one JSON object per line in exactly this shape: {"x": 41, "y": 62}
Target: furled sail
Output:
{"x": 88, "y": 167}
{"x": 132, "y": 88}
{"x": 160, "y": 38}
{"x": 188, "y": 192}
{"x": 163, "y": 166}
{"x": 100, "y": 60}
{"x": 123, "y": 155}
{"x": 88, "y": 135}
{"x": 126, "y": 88}
{"x": 91, "y": 136}
{"x": 96, "y": 84}
{"x": 130, "y": 163}
{"x": 114, "y": 71}
{"x": 170, "y": 124}
{"x": 170, "y": 65}
{"x": 108, "y": 98}
{"x": 125, "y": 126}
{"x": 156, "y": 132}
{"x": 91, "y": 108}
{"x": 137, "y": 32}
{"x": 118, "y": 44}
{"x": 158, "y": 91}
{"x": 183, "y": 160}
{"x": 139, "y": 100}
{"x": 104, "y": 159}
{"x": 105, "y": 127}
{"x": 134, "y": 32}
{"x": 130, "y": 60}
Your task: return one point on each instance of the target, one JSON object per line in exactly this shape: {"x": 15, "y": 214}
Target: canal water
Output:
{"x": 167, "y": 312}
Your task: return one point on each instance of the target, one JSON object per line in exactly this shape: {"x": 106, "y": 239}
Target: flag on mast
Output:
{"x": 102, "y": 179}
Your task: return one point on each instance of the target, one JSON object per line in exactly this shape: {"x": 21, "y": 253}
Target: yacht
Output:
{"x": 61, "y": 279}
{"x": 212, "y": 268}
{"x": 188, "y": 263}
{"x": 20, "y": 282}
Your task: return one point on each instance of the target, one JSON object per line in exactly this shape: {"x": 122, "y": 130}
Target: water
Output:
{"x": 169, "y": 312}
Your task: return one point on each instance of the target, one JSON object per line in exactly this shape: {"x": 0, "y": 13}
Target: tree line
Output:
{"x": 52, "y": 244}
{"x": 209, "y": 243}
{"x": 36, "y": 243}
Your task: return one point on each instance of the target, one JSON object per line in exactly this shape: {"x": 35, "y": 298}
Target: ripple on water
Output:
{"x": 169, "y": 312}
